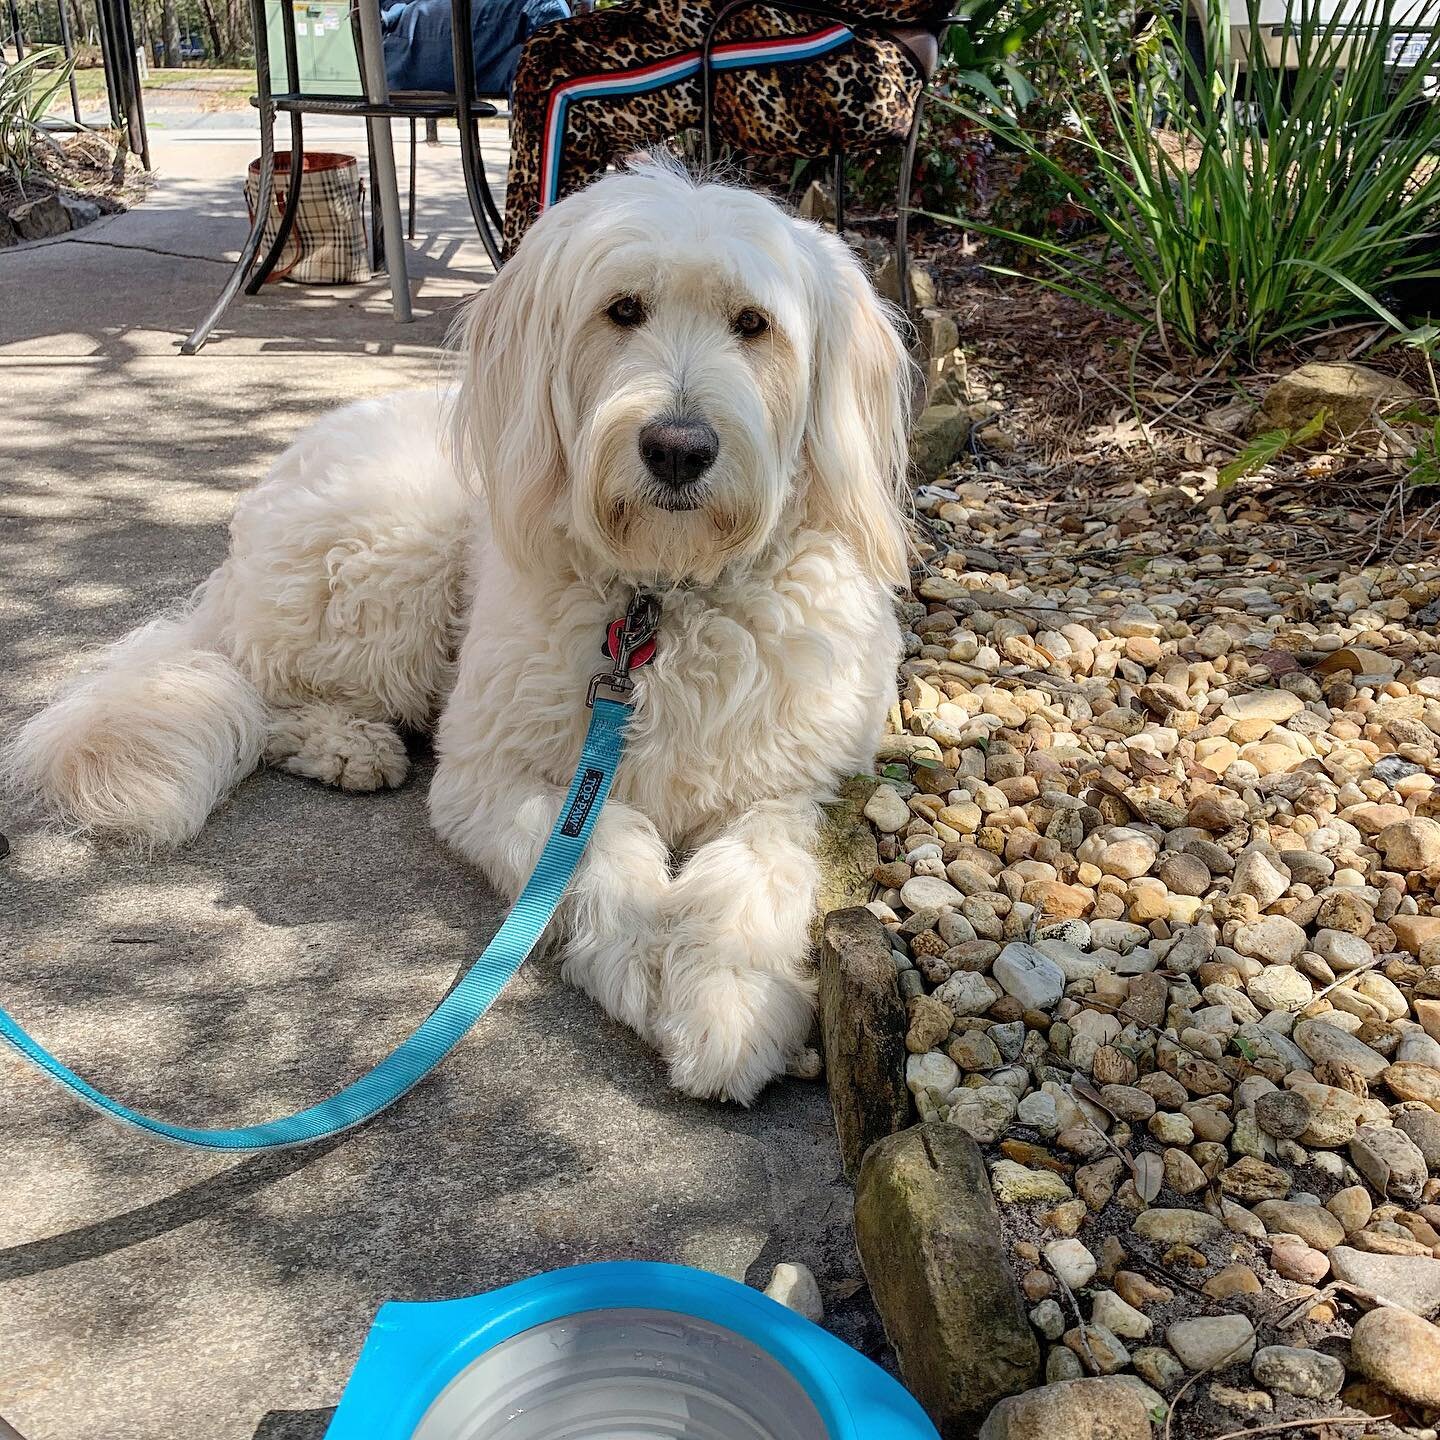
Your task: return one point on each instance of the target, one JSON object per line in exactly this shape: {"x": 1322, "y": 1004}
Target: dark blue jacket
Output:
{"x": 417, "y": 41}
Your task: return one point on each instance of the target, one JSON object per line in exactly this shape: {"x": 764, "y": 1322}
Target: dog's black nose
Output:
{"x": 677, "y": 452}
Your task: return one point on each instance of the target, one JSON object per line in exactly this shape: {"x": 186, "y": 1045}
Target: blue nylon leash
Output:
{"x": 456, "y": 1015}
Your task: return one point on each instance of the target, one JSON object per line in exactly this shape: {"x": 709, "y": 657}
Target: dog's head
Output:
{"x": 669, "y": 374}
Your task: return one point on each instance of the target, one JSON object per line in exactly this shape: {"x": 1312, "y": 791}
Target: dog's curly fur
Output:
{"x": 382, "y": 575}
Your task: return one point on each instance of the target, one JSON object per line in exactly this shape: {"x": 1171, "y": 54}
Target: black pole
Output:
{"x": 19, "y": 33}
{"x": 108, "y": 63}
{"x": 69, "y": 46}
{"x": 265, "y": 104}
{"x": 135, "y": 113}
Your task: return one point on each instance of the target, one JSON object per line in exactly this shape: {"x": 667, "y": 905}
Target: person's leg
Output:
{"x": 844, "y": 96}
{"x": 590, "y": 88}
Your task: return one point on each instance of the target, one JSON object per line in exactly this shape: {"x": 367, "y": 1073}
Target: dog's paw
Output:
{"x": 731, "y": 1031}
{"x": 324, "y": 743}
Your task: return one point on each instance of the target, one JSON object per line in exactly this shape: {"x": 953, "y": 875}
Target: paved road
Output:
{"x": 148, "y": 1293}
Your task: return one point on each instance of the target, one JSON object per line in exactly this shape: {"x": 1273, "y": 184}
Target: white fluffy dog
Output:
{"x": 673, "y": 385}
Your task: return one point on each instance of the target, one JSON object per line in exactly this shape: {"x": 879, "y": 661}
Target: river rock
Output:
{"x": 1325, "y": 1042}
{"x": 1306, "y": 1373}
{"x": 1212, "y": 1341}
{"x": 1400, "y": 1352}
{"x": 930, "y": 1243}
{"x": 1036, "y": 981}
{"x": 1314, "y": 1224}
{"x": 1405, "y": 1280}
{"x": 1103, "y": 1408}
{"x": 1176, "y": 1227}
{"x": 1390, "y": 1160}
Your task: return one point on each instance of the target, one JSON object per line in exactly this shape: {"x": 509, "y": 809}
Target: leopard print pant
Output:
{"x": 593, "y": 88}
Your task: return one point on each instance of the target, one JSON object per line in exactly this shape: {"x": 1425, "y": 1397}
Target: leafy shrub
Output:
{"x": 26, "y": 89}
{"x": 1274, "y": 206}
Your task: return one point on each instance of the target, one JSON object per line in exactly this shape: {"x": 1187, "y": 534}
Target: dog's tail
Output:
{"x": 146, "y": 744}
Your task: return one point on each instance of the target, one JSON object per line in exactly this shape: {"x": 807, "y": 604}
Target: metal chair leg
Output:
{"x": 488, "y": 220}
{"x": 410, "y": 216}
{"x": 378, "y": 264}
{"x": 902, "y": 206}
{"x": 486, "y": 213}
{"x": 201, "y": 333}
{"x": 292, "y": 206}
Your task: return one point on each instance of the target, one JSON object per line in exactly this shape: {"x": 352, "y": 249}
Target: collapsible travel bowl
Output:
{"x": 622, "y": 1351}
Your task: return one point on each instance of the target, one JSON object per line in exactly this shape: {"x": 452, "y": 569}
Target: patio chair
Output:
{"x": 922, "y": 44}
{"x": 375, "y": 103}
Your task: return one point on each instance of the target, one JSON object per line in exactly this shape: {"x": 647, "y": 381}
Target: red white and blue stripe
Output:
{"x": 656, "y": 75}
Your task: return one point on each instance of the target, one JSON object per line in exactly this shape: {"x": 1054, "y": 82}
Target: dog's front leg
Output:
{"x": 611, "y": 917}
{"x": 735, "y": 998}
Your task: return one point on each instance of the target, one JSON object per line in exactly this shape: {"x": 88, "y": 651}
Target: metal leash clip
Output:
{"x": 636, "y": 634}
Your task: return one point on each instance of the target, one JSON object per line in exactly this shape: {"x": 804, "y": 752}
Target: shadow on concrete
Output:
{"x": 294, "y": 1425}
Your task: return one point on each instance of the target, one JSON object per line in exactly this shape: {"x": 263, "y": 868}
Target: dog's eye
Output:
{"x": 627, "y": 312}
{"x": 750, "y": 323}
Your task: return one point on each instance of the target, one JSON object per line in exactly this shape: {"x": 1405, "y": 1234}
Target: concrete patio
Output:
{"x": 151, "y": 1292}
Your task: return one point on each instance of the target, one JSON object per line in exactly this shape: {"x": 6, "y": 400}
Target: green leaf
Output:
{"x": 1265, "y": 447}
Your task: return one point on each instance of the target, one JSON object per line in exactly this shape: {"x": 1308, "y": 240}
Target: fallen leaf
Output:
{"x": 1358, "y": 661}
{"x": 1149, "y": 1171}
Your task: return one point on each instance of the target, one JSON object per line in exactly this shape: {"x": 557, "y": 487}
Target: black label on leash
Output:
{"x": 584, "y": 800}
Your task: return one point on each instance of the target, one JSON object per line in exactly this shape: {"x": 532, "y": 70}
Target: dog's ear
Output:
{"x": 506, "y": 440}
{"x": 857, "y": 433}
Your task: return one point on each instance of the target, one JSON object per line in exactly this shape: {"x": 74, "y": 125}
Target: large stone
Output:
{"x": 1334, "y": 1113}
{"x": 1176, "y": 1227}
{"x": 1423, "y": 1127}
{"x": 1410, "y": 1281}
{"x": 938, "y": 437}
{"x": 847, "y": 853}
{"x": 794, "y": 1286}
{"x": 1412, "y": 844}
{"x": 1280, "y": 987}
{"x": 1286, "y": 1114}
{"x": 1306, "y": 1373}
{"x": 1347, "y": 393}
{"x": 1314, "y": 1224}
{"x": 1411, "y": 1080}
{"x": 81, "y": 212}
{"x": 922, "y": 283}
{"x": 1322, "y": 1041}
{"x": 1212, "y": 1341}
{"x": 1274, "y": 939}
{"x": 929, "y": 1239}
{"x": 984, "y": 1112}
{"x": 1399, "y": 1352}
{"x": 1412, "y": 931}
{"x": 1017, "y": 1184}
{"x": 862, "y": 1021}
{"x": 1255, "y": 875}
{"x": 887, "y": 810}
{"x": 1106, "y": 1408}
{"x": 1390, "y": 1160}
{"x": 927, "y": 892}
{"x": 1035, "y": 980}
{"x": 40, "y": 219}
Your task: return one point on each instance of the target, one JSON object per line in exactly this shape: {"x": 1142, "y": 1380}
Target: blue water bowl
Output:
{"x": 620, "y": 1351}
